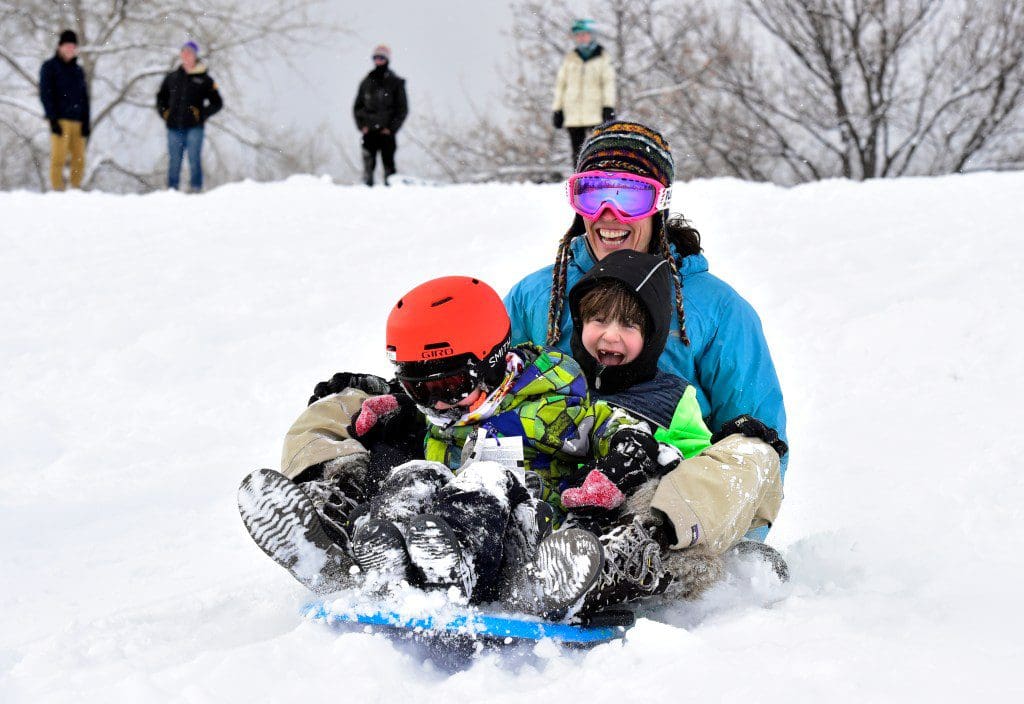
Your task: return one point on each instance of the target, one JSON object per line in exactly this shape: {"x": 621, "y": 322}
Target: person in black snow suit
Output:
{"x": 379, "y": 110}
{"x": 65, "y": 97}
{"x": 187, "y": 98}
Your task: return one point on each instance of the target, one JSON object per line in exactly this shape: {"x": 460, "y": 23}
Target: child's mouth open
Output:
{"x": 610, "y": 359}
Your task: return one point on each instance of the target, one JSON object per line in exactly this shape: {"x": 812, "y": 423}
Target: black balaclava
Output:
{"x": 649, "y": 277}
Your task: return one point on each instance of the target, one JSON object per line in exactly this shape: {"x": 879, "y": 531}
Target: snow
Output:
{"x": 155, "y": 348}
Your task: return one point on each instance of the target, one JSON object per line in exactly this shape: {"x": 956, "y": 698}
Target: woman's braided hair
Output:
{"x": 633, "y": 148}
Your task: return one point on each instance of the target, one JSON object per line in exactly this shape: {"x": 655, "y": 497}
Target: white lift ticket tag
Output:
{"x": 506, "y": 451}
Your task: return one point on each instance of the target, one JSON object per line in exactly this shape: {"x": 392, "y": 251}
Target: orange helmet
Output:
{"x": 447, "y": 325}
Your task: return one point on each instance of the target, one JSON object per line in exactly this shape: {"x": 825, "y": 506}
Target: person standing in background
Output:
{"x": 584, "y": 88}
{"x": 187, "y": 98}
{"x": 379, "y": 110}
{"x": 65, "y": 98}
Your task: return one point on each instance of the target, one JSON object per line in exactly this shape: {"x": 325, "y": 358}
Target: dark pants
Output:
{"x": 488, "y": 508}
{"x": 376, "y": 141}
{"x": 577, "y": 136}
{"x": 180, "y": 141}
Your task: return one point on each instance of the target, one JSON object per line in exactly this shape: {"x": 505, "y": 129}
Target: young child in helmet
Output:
{"x": 495, "y": 414}
{"x": 449, "y": 339}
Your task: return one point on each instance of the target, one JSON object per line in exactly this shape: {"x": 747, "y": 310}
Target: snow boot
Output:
{"x": 284, "y": 523}
{"x": 632, "y": 569}
{"x": 752, "y": 549}
{"x": 334, "y": 507}
{"x": 566, "y": 568}
{"x": 435, "y": 551}
{"x": 379, "y": 549}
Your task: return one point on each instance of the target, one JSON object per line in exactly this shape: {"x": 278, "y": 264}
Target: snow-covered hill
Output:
{"x": 154, "y": 349}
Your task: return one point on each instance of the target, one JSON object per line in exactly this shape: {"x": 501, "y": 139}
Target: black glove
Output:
{"x": 632, "y": 459}
{"x": 558, "y": 119}
{"x": 373, "y": 385}
{"x": 86, "y": 130}
{"x": 752, "y": 428}
{"x": 56, "y": 128}
{"x": 390, "y": 418}
{"x": 607, "y": 114}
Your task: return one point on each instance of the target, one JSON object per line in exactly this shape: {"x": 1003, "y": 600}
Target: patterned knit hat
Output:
{"x": 629, "y": 147}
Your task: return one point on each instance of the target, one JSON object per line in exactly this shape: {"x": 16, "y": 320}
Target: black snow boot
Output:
{"x": 435, "y": 552}
{"x": 565, "y": 569}
{"x": 379, "y": 549}
{"x": 284, "y": 523}
{"x": 632, "y": 569}
{"x": 334, "y": 508}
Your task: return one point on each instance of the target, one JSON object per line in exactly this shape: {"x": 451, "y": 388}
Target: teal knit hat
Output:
{"x": 583, "y": 24}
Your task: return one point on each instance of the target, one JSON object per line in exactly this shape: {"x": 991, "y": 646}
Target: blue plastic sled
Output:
{"x": 473, "y": 624}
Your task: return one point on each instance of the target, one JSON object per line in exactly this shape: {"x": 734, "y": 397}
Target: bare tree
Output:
{"x": 781, "y": 90}
{"x": 125, "y": 47}
{"x": 872, "y": 88}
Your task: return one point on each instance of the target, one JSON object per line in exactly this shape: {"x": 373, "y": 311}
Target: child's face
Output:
{"x": 612, "y": 342}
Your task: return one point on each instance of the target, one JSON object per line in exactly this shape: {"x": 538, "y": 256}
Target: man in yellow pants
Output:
{"x": 65, "y": 98}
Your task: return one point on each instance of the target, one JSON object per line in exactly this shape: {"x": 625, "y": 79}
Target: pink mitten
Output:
{"x": 597, "y": 491}
{"x": 372, "y": 410}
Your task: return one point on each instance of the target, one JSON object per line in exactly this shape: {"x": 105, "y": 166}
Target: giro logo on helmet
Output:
{"x": 435, "y": 354}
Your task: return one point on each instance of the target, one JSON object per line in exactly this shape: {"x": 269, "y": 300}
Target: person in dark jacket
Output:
{"x": 187, "y": 98}
{"x": 65, "y": 97}
{"x": 380, "y": 110}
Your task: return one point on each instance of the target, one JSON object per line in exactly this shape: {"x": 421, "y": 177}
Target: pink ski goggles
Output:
{"x": 629, "y": 197}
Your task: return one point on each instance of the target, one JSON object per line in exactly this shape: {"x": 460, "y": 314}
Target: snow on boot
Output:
{"x": 632, "y": 569}
{"x": 565, "y": 569}
{"x": 333, "y": 507}
{"x": 284, "y": 523}
{"x": 379, "y": 550}
{"x": 752, "y": 549}
{"x": 434, "y": 550}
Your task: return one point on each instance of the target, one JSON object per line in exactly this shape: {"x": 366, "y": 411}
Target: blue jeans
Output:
{"x": 180, "y": 140}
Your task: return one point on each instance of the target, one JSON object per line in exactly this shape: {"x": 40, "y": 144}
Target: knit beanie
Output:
{"x": 191, "y": 45}
{"x": 68, "y": 37}
{"x": 629, "y": 147}
{"x": 382, "y": 50}
{"x": 584, "y": 24}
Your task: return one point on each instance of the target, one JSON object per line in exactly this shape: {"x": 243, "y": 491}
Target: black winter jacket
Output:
{"x": 63, "y": 91}
{"x": 380, "y": 102}
{"x": 188, "y": 99}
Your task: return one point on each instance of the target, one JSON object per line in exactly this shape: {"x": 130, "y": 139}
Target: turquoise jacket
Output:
{"x": 727, "y": 361}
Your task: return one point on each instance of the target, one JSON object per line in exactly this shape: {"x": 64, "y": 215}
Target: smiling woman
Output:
{"x": 716, "y": 340}
{"x": 620, "y": 195}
